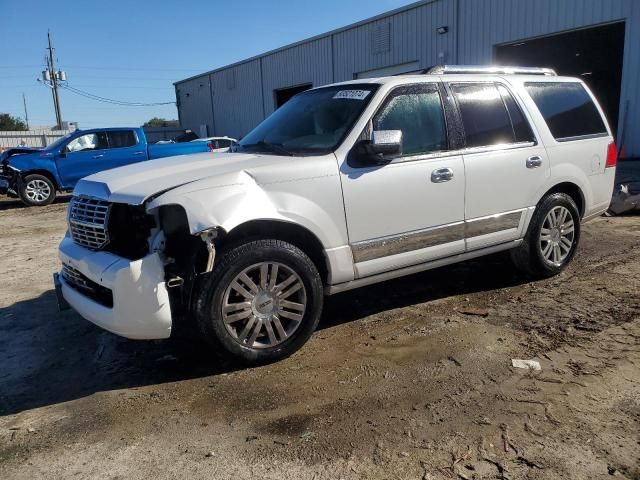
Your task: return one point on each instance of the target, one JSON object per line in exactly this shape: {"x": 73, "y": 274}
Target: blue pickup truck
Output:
{"x": 36, "y": 175}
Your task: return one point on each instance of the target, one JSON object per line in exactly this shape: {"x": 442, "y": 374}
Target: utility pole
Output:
{"x": 26, "y": 115}
{"x": 54, "y": 76}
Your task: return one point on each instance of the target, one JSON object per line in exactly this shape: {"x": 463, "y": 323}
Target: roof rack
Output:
{"x": 497, "y": 69}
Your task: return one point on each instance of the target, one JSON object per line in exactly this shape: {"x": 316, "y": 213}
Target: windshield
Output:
{"x": 312, "y": 122}
{"x": 55, "y": 145}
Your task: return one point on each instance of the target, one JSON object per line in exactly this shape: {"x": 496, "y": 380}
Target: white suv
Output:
{"x": 345, "y": 185}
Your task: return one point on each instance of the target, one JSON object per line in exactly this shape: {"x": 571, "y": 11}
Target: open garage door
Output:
{"x": 283, "y": 95}
{"x": 593, "y": 54}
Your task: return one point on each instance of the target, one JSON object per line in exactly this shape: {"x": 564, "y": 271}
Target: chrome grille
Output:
{"x": 88, "y": 219}
{"x": 76, "y": 279}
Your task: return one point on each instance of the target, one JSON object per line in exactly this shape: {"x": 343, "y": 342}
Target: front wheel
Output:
{"x": 37, "y": 191}
{"x": 552, "y": 237}
{"x": 261, "y": 303}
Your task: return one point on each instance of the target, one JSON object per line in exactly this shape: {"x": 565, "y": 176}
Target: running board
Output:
{"x": 382, "y": 277}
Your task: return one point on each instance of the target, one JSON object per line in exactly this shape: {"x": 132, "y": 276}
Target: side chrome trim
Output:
{"x": 459, "y": 152}
{"x": 406, "y": 242}
{"x": 497, "y": 148}
{"x": 430, "y": 237}
{"x": 492, "y": 224}
{"x": 381, "y": 277}
{"x": 582, "y": 137}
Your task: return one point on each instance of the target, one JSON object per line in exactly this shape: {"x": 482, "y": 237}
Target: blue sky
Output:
{"x": 134, "y": 51}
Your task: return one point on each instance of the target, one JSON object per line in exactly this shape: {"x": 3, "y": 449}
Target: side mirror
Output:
{"x": 384, "y": 144}
{"x": 387, "y": 142}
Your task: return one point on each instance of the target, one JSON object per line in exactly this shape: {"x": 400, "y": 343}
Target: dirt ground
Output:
{"x": 409, "y": 379}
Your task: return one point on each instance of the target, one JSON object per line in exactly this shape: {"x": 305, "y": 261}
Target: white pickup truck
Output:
{"x": 345, "y": 185}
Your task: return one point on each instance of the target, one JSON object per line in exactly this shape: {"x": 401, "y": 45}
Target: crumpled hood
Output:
{"x": 135, "y": 183}
{"x": 18, "y": 155}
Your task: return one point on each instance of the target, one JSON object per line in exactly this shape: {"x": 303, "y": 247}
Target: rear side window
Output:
{"x": 521, "y": 128}
{"x": 485, "y": 117}
{"x": 567, "y": 108}
{"x": 122, "y": 139}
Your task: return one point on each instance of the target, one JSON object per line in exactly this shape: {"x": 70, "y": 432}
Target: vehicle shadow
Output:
{"x": 49, "y": 357}
{"x": 478, "y": 275}
{"x": 15, "y": 203}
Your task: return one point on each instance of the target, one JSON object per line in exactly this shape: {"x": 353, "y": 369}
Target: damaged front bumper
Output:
{"x": 4, "y": 186}
{"x": 126, "y": 297}
{"x": 9, "y": 178}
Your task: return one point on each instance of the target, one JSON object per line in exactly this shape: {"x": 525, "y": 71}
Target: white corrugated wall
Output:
{"x": 486, "y": 23}
{"x": 405, "y": 36}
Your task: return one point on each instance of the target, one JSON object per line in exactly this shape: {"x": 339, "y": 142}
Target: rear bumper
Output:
{"x": 141, "y": 308}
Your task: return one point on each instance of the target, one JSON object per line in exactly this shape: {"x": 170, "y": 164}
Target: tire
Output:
{"x": 538, "y": 255}
{"x": 265, "y": 322}
{"x": 37, "y": 191}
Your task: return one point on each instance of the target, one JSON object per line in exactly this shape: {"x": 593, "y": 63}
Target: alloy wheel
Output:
{"x": 264, "y": 305}
{"x": 37, "y": 190}
{"x": 557, "y": 235}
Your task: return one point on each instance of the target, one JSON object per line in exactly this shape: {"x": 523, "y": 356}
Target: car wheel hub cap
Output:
{"x": 264, "y": 305}
{"x": 557, "y": 235}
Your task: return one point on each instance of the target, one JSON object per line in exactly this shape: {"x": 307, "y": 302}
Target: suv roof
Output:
{"x": 465, "y": 71}
{"x": 494, "y": 70}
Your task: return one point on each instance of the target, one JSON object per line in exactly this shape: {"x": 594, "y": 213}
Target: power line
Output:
{"x": 126, "y": 86}
{"x": 146, "y": 78}
{"x": 112, "y": 101}
{"x": 140, "y": 87}
{"x": 115, "y": 68}
{"x": 20, "y": 66}
{"x": 139, "y": 68}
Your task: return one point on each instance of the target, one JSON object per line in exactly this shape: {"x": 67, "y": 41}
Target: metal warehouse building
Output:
{"x": 598, "y": 40}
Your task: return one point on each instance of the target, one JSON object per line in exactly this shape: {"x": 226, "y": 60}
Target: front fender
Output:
{"x": 314, "y": 203}
{"x": 27, "y": 163}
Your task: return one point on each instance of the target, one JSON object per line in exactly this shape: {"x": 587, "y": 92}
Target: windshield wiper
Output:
{"x": 271, "y": 147}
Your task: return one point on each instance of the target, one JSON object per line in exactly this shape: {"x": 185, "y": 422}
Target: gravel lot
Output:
{"x": 409, "y": 379}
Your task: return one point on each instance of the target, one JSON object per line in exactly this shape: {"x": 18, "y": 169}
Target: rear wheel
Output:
{"x": 261, "y": 303}
{"x": 552, "y": 237}
{"x": 37, "y": 190}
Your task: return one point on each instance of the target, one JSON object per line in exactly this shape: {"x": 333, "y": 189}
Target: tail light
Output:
{"x": 612, "y": 155}
{"x": 210, "y": 146}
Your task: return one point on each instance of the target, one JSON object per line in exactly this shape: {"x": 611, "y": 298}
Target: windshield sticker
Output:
{"x": 352, "y": 94}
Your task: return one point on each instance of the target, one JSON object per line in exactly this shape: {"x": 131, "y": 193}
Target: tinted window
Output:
{"x": 121, "y": 139}
{"x": 223, "y": 143}
{"x": 521, "y": 127}
{"x": 567, "y": 108}
{"x": 417, "y": 112}
{"x": 89, "y": 141}
{"x": 484, "y": 115}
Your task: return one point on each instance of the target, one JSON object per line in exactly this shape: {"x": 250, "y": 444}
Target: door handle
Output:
{"x": 98, "y": 156}
{"x": 534, "y": 162}
{"x": 441, "y": 175}
{"x": 138, "y": 153}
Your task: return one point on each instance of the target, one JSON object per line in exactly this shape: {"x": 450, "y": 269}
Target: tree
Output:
{"x": 10, "y": 123}
{"x": 160, "y": 122}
